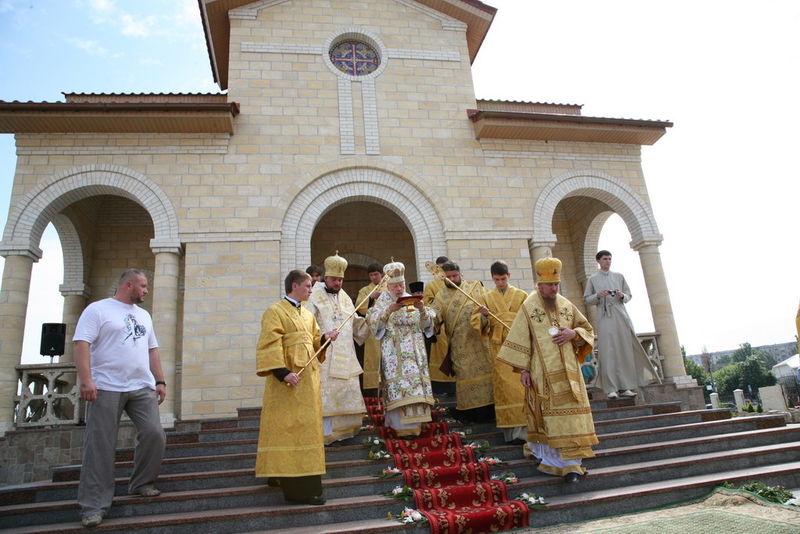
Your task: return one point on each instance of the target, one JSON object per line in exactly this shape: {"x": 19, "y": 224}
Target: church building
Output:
{"x": 342, "y": 125}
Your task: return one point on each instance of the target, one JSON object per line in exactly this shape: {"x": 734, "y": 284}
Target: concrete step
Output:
{"x": 689, "y": 446}
{"x": 648, "y": 472}
{"x": 365, "y": 486}
{"x": 237, "y": 439}
{"x": 336, "y": 513}
{"x": 674, "y": 430}
{"x": 627, "y": 412}
{"x": 605, "y": 457}
{"x": 659, "y": 420}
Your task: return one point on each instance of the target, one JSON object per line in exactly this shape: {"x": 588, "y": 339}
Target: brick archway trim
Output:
{"x": 38, "y": 207}
{"x": 637, "y": 214}
{"x": 359, "y": 184}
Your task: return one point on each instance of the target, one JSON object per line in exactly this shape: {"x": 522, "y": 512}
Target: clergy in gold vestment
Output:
{"x": 372, "y": 347}
{"x": 440, "y": 346}
{"x": 342, "y": 401}
{"x": 290, "y": 442}
{"x": 503, "y": 301}
{"x": 548, "y": 340}
{"x": 468, "y": 350}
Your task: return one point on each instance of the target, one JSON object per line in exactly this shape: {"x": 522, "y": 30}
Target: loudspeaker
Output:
{"x": 53, "y": 335}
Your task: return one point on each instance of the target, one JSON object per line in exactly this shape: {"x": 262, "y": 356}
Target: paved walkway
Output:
{"x": 722, "y": 511}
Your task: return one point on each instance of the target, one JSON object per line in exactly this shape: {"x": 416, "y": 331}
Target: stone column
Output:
{"x": 13, "y": 308}
{"x": 165, "y": 321}
{"x": 539, "y": 250}
{"x": 661, "y": 308}
{"x": 75, "y": 297}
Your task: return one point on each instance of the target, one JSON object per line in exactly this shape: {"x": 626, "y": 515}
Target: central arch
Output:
{"x": 360, "y": 184}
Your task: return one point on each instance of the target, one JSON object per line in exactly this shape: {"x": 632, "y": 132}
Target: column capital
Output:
{"x": 10, "y": 248}
{"x": 75, "y": 290}
{"x": 655, "y": 241}
{"x": 536, "y": 243}
{"x": 172, "y": 246}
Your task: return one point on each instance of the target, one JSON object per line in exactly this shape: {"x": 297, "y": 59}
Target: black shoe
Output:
{"x": 316, "y": 501}
{"x": 571, "y": 478}
{"x": 273, "y": 482}
{"x": 516, "y": 441}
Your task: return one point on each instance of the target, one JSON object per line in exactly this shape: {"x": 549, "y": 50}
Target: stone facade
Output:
{"x": 219, "y": 218}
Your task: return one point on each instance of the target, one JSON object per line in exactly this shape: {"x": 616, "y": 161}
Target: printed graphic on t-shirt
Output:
{"x": 133, "y": 329}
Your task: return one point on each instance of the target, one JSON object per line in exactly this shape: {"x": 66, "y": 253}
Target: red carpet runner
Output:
{"x": 451, "y": 489}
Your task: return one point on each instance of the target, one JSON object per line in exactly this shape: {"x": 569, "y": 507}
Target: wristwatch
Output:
{"x": 161, "y": 382}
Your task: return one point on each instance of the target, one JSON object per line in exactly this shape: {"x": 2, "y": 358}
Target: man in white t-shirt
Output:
{"x": 116, "y": 356}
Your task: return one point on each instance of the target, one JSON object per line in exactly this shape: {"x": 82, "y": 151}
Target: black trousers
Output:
{"x": 301, "y": 488}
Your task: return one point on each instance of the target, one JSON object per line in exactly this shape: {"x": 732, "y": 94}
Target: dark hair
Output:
{"x": 129, "y": 274}
{"x": 601, "y": 254}
{"x": 442, "y": 259}
{"x": 450, "y": 266}
{"x": 416, "y": 287}
{"x": 499, "y": 268}
{"x": 374, "y": 268}
{"x": 295, "y": 276}
{"x": 314, "y": 269}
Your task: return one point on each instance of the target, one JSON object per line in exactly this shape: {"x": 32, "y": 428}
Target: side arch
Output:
{"x": 38, "y": 207}
{"x": 602, "y": 187}
{"x": 359, "y": 184}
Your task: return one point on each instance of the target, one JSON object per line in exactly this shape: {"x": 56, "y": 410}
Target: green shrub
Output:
{"x": 777, "y": 494}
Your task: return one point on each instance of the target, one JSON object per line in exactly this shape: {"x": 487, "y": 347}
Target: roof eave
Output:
{"x": 26, "y": 118}
{"x": 573, "y": 128}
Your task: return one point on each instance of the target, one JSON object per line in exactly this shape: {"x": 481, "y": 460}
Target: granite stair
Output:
{"x": 648, "y": 456}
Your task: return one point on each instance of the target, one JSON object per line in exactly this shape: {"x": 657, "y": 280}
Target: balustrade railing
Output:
{"x": 48, "y": 395}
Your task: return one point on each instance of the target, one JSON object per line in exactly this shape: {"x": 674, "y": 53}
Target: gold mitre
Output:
{"x": 548, "y": 270}
{"x": 395, "y": 271}
{"x": 335, "y": 266}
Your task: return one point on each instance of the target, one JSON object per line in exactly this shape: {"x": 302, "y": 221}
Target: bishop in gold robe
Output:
{"x": 502, "y": 302}
{"x": 291, "y": 450}
{"x": 468, "y": 350}
{"x": 547, "y": 343}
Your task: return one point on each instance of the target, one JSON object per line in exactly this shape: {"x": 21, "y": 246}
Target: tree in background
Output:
{"x": 750, "y": 372}
{"x": 741, "y": 355}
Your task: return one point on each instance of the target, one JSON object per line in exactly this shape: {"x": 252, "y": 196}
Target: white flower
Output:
{"x": 398, "y": 490}
{"x": 377, "y": 441}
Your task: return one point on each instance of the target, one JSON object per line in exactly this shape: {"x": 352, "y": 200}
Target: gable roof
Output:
{"x": 216, "y": 26}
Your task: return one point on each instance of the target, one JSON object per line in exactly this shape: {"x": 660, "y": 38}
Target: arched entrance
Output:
{"x": 370, "y": 189}
{"x": 108, "y": 218}
{"x": 568, "y": 217}
{"x": 363, "y": 233}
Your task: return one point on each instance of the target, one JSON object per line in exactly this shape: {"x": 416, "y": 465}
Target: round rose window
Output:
{"x": 355, "y": 58}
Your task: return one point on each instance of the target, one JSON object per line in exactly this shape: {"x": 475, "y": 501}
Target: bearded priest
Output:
{"x": 547, "y": 343}
{"x": 342, "y": 402}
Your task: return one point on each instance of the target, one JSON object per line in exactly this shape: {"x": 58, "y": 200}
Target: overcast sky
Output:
{"x": 723, "y": 181}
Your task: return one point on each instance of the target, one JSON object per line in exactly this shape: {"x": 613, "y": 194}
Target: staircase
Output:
{"x": 648, "y": 456}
